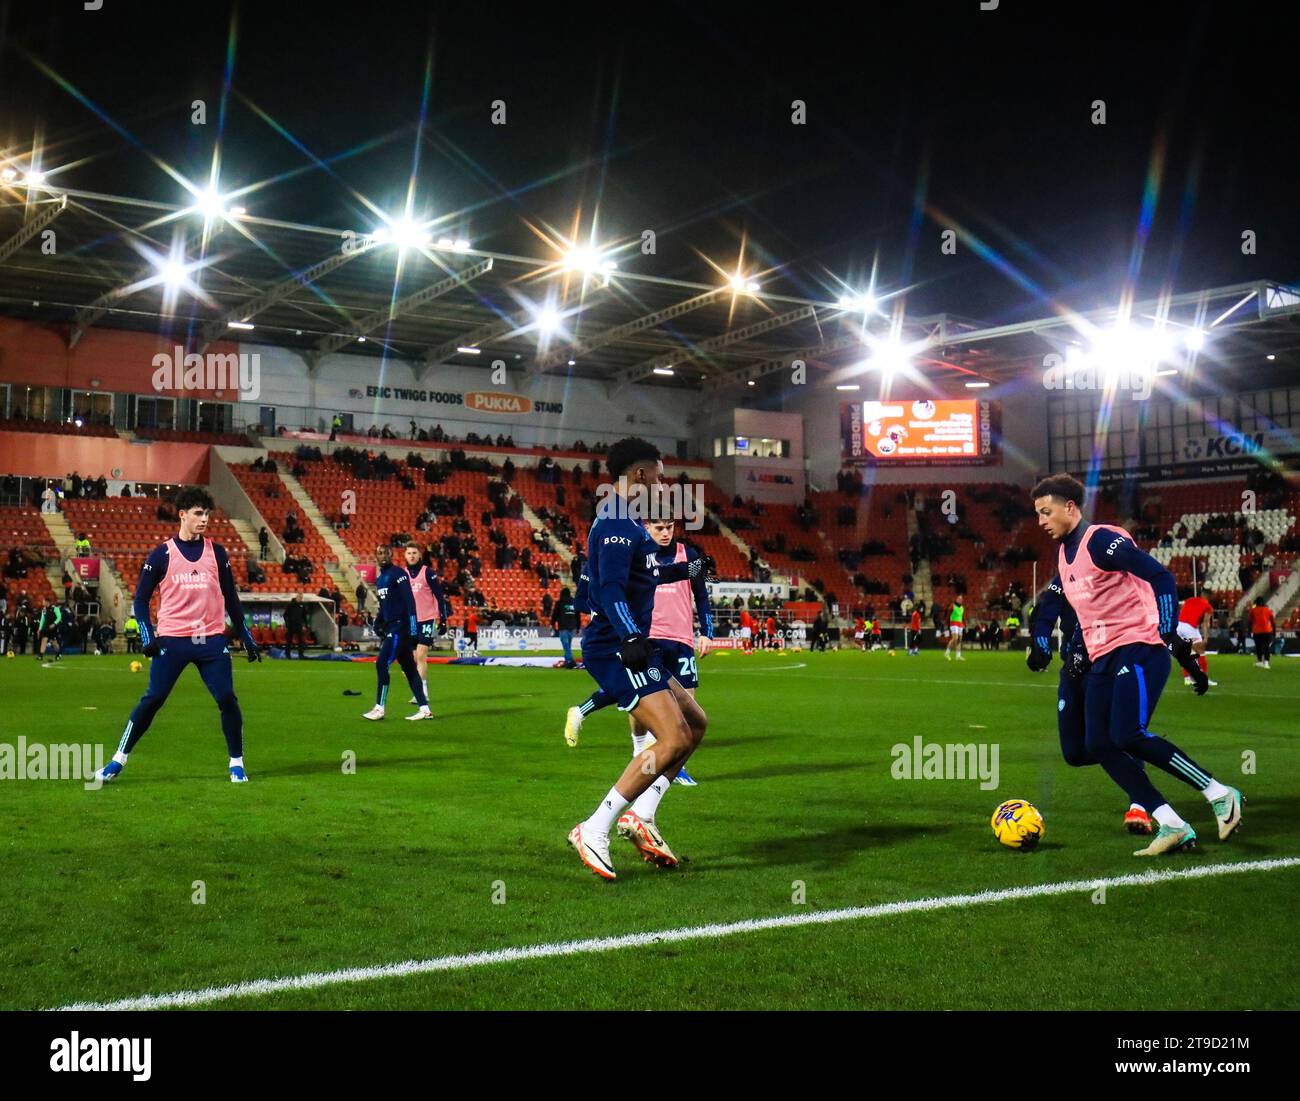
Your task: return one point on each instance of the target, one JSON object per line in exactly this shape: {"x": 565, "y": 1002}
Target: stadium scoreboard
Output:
{"x": 920, "y": 432}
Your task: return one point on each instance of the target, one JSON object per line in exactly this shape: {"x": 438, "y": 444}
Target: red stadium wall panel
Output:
{"x": 40, "y": 455}
{"x": 104, "y": 359}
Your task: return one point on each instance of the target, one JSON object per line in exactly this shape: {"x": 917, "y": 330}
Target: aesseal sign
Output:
{"x": 497, "y": 402}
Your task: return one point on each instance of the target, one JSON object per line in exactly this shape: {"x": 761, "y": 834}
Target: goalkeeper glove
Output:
{"x": 1077, "y": 663}
{"x": 1037, "y": 658}
{"x": 253, "y": 651}
{"x": 636, "y": 652}
{"x": 703, "y": 565}
{"x": 442, "y": 626}
{"x": 150, "y": 649}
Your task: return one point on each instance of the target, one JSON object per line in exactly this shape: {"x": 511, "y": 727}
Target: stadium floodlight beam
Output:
{"x": 34, "y": 178}
{"x": 210, "y": 204}
{"x": 667, "y": 371}
{"x": 172, "y": 273}
{"x": 548, "y": 320}
{"x": 1194, "y": 339}
{"x": 848, "y": 386}
{"x": 405, "y": 234}
{"x": 587, "y": 259}
{"x": 470, "y": 351}
{"x": 977, "y": 386}
{"x": 8, "y": 174}
{"x": 858, "y": 303}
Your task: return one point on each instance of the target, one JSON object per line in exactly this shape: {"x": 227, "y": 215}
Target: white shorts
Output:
{"x": 1189, "y": 632}
{"x": 747, "y": 632}
{"x": 955, "y": 629}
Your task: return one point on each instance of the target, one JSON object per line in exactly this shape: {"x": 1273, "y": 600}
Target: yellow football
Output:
{"x": 136, "y": 667}
{"x": 1018, "y": 825}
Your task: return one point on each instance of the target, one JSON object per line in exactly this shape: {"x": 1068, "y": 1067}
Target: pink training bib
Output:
{"x": 426, "y": 605}
{"x": 1114, "y": 607}
{"x": 673, "y": 618}
{"x": 190, "y": 604}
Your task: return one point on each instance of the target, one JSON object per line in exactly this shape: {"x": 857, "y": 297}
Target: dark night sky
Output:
{"x": 677, "y": 119}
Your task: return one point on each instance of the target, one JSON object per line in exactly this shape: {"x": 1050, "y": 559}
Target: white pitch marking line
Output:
{"x": 186, "y": 998}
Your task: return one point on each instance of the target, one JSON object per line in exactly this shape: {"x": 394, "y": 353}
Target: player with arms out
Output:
{"x": 1194, "y": 619}
{"x": 397, "y": 625}
{"x": 623, "y": 571}
{"x": 431, "y": 609}
{"x": 196, "y": 595}
{"x": 1126, "y": 603}
{"x": 672, "y": 630}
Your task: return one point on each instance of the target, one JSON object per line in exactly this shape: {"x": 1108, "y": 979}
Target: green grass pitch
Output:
{"x": 449, "y": 838}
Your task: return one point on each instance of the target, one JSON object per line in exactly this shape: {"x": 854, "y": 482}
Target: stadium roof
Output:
{"x": 320, "y": 290}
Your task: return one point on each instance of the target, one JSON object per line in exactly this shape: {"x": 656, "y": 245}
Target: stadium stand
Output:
{"x": 59, "y": 428}
{"x": 25, "y": 547}
{"x": 388, "y": 510}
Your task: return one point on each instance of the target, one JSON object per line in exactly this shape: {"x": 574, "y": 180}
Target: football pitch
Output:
{"x": 401, "y": 865}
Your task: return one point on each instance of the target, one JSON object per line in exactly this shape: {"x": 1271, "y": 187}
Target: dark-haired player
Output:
{"x": 672, "y": 630}
{"x": 1127, "y": 605}
{"x": 623, "y": 571}
{"x": 398, "y": 628}
{"x": 196, "y": 595}
{"x": 431, "y": 609}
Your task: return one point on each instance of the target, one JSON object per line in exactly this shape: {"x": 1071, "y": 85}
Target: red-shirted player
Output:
{"x": 746, "y": 630}
{"x": 914, "y": 634}
{"x": 771, "y": 632}
{"x": 1194, "y": 625}
{"x": 1263, "y": 626}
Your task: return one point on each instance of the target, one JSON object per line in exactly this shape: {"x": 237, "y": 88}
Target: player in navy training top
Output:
{"x": 623, "y": 570}
{"x": 398, "y": 627}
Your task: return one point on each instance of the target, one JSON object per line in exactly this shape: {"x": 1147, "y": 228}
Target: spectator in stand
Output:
{"x": 361, "y": 594}
{"x": 49, "y": 499}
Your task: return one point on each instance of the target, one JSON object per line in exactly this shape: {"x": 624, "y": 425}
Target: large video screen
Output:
{"x": 920, "y": 432}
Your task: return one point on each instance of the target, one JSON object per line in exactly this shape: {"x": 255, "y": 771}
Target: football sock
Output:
{"x": 606, "y": 813}
{"x": 120, "y": 757}
{"x": 648, "y": 801}
{"x": 1167, "y": 816}
{"x": 1205, "y": 665}
{"x": 640, "y": 741}
{"x": 1214, "y": 790}
{"x": 236, "y": 762}
{"x": 1137, "y": 806}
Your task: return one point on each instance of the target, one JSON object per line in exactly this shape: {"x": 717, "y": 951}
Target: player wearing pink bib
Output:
{"x": 196, "y": 594}
{"x": 431, "y": 609}
{"x": 1127, "y": 607}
